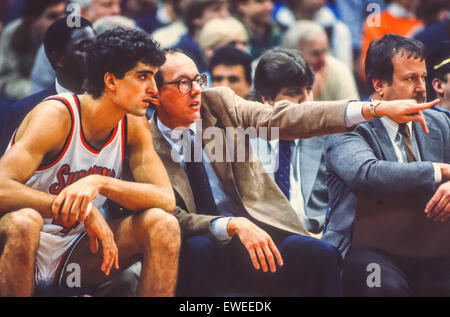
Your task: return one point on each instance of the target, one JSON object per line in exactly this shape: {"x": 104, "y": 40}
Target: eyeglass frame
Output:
{"x": 202, "y": 76}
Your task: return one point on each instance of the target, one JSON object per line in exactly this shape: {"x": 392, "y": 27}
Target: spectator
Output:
{"x": 231, "y": 67}
{"x": 170, "y": 35}
{"x": 399, "y": 18}
{"x": 196, "y": 14}
{"x": 110, "y": 22}
{"x": 441, "y": 75}
{"x": 334, "y": 80}
{"x": 338, "y": 33}
{"x": 220, "y": 32}
{"x": 436, "y": 18}
{"x": 143, "y": 12}
{"x": 95, "y": 9}
{"x": 66, "y": 48}
{"x": 19, "y": 43}
{"x": 297, "y": 166}
{"x": 42, "y": 74}
{"x": 263, "y": 32}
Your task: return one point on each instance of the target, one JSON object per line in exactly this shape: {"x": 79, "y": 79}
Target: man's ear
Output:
{"x": 110, "y": 81}
{"x": 437, "y": 86}
{"x": 378, "y": 86}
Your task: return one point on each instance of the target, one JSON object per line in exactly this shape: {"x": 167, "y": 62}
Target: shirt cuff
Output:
{"x": 437, "y": 173}
{"x": 353, "y": 113}
{"x": 219, "y": 229}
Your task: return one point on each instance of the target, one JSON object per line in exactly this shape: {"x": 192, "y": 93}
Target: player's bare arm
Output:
{"x": 33, "y": 145}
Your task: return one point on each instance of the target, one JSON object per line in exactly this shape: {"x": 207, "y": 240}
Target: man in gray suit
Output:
{"x": 297, "y": 166}
{"x": 232, "y": 217}
{"x": 392, "y": 182}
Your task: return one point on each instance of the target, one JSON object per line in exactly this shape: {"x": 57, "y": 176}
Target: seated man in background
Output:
{"x": 19, "y": 43}
{"x": 334, "y": 79}
{"x": 66, "y": 50}
{"x": 298, "y": 166}
{"x": 441, "y": 75}
{"x": 231, "y": 67}
{"x": 233, "y": 217}
{"x": 393, "y": 180}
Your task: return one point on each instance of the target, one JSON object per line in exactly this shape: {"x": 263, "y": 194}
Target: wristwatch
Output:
{"x": 373, "y": 105}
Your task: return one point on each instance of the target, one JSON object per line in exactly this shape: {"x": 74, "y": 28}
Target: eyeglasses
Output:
{"x": 185, "y": 84}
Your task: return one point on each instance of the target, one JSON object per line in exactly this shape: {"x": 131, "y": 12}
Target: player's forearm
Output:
{"x": 137, "y": 196}
{"x": 15, "y": 196}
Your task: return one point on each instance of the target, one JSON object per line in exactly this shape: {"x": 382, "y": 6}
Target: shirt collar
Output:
{"x": 167, "y": 132}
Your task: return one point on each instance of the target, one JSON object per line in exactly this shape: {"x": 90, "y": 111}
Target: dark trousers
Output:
{"x": 398, "y": 276}
{"x": 208, "y": 268}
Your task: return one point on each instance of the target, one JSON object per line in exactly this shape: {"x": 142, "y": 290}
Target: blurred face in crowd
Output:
{"x": 50, "y": 15}
{"x": 315, "y": 51}
{"x": 310, "y": 6}
{"x": 257, "y": 11}
{"x": 175, "y": 108}
{"x": 217, "y": 10}
{"x": 442, "y": 88}
{"x": 103, "y": 8}
{"x": 408, "y": 80}
{"x": 232, "y": 76}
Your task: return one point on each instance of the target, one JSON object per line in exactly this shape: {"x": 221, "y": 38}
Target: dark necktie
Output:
{"x": 282, "y": 175}
{"x": 203, "y": 196}
{"x": 407, "y": 142}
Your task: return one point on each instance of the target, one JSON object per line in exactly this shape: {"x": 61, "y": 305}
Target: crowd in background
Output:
{"x": 332, "y": 35}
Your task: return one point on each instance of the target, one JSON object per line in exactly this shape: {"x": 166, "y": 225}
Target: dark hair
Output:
{"x": 231, "y": 56}
{"x": 280, "y": 68}
{"x": 117, "y": 51}
{"x": 194, "y": 10}
{"x": 35, "y": 8}
{"x": 428, "y": 10}
{"x": 58, "y": 36}
{"x": 378, "y": 63}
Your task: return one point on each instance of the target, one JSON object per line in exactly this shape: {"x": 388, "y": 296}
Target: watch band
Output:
{"x": 372, "y": 108}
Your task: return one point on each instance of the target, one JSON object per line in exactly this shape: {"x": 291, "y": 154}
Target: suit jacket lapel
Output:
{"x": 383, "y": 140}
{"x": 176, "y": 173}
{"x": 428, "y": 144}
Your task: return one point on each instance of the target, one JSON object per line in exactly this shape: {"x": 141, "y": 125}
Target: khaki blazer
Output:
{"x": 253, "y": 190}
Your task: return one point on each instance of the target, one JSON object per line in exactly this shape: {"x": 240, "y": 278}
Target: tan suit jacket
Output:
{"x": 256, "y": 192}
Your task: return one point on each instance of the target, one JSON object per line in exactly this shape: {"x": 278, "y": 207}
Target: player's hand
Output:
{"x": 97, "y": 228}
{"x": 258, "y": 243}
{"x": 402, "y": 111}
{"x": 71, "y": 204}
{"x": 438, "y": 208}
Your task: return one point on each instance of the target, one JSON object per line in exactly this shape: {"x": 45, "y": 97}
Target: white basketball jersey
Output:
{"x": 78, "y": 159}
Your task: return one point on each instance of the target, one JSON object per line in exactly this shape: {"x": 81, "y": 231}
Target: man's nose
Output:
{"x": 152, "y": 89}
{"x": 196, "y": 89}
{"x": 421, "y": 85}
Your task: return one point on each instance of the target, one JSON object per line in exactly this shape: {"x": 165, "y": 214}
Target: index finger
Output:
{"x": 426, "y": 105}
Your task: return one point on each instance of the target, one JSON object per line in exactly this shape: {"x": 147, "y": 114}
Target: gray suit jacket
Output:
{"x": 257, "y": 194}
{"x": 389, "y": 197}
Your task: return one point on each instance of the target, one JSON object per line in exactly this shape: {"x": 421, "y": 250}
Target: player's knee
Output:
{"x": 163, "y": 228}
{"x": 24, "y": 227}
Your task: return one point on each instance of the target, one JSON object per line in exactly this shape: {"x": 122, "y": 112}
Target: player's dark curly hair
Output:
{"x": 117, "y": 51}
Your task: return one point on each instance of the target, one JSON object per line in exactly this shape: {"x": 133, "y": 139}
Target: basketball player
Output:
{"x": 67, "y": 157}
